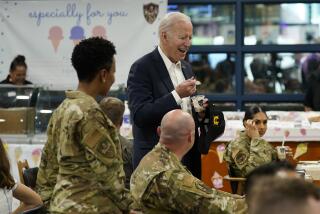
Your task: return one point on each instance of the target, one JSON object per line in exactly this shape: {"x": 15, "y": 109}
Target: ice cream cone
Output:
{"x": 55, "y": 43}
{"x": 220, "y": 156}
{"x": 301, "y": 149}
{"x": 17, "y": 153}
{"x": 76, "y": 41}
{"x": 220, "y": 152}
{"x": 36, "y": 154}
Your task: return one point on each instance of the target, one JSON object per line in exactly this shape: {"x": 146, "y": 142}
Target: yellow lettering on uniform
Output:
{"x": 216, "y": 120}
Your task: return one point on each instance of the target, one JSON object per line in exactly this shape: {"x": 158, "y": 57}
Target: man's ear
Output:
{"x": 190, "y": 137}
{"x": 158, "y": 130}
{"x": 103, "y": 75}
{"x": 164, "y": 36}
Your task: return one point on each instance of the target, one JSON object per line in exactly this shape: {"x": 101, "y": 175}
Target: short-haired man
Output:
{"x": 114, "y": 109}
{"x": 162, "y": 184}
{"x": 284, "y": 196}
{"x": 82, "y": 160}
{"x": 162, "y": 81}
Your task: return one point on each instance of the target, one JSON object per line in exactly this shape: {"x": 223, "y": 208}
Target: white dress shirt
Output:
{"x": 176, "y": 76}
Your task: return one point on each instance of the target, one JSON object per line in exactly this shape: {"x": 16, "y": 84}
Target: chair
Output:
{"x": 28, "y": 176}
{"x": 236, "y": 183}
{"x": 21, "y": 166}
{"x": 36, "y": 210}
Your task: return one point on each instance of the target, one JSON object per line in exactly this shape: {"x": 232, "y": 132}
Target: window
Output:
{"x": 281, "y": 24}
{"x": 212, "y": 24}
{"x": 252, "y": 51}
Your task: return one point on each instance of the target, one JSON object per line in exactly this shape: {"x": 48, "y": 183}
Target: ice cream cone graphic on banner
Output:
{"x": 55, "y": 44}
{"x": 17, "y": 153}
{"x": 36, "y": 154}
{"x": 76, "y": 34}
{"x": 99, "y": 31}
{"x": 55, "y": 35}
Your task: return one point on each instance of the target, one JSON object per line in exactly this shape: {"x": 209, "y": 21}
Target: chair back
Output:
{"x": 27, "y": 175}
{"x": 236, "y": 183}
{"x": 22, "y": 165}
{"x": 36, "y": 210}
{"x": 30, "y": 177}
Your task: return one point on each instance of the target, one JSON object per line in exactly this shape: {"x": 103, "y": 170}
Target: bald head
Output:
{"x": 170, "y": 19}
{"x": 176, "y": 126}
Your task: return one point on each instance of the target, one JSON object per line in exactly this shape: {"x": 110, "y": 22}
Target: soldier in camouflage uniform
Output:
{"x": 83, "y": 143}
{"x": 48, "y": 169}
{"x": 249, "y": 151}
{"x": 161, "y": 184}
{"x": 114, "y": 109}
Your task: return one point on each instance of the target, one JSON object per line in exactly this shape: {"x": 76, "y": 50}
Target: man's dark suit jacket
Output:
{"x": 150, "y": 98}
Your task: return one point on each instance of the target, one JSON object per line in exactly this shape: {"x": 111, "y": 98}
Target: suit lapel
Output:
{"x": 162, "y": 70}
{"x": 186, "y": 71}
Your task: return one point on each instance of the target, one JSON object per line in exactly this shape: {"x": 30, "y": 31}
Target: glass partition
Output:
{"x": 279, "y": 73}
{"x": 48, "y": 101}
{"x": 212, "y": 24}
{"x": 215, "y": 71}
{"x": 282, "y": 23}
{"x": 16, "y": 96}
{"x": 17, "y": 110}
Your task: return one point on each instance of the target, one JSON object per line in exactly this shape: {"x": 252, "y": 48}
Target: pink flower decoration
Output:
{"x": 286, "y": 133}
{"x": 303, "y": 132}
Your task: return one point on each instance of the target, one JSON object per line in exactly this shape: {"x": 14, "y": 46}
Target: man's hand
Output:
{"x": 202, "y": 114}
{"x": 186, "y": 88}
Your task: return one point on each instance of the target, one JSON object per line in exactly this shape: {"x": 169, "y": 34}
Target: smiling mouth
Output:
{"x": 184, "y": 51}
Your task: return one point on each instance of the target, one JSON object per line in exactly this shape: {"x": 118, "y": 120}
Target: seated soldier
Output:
{"x": 114, "y": 109}
{"x": 281, "y": 169}
{"x": 162, "y": 184}
{"x": 249, "y": 150}
{"x": 283, "y": 196}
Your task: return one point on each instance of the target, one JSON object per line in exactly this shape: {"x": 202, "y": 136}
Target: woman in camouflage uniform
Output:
{"x": 249, "y": 150}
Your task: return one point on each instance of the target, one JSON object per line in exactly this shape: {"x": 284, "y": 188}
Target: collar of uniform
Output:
{"x": 167, "y": 61}
{"x": 166, "y": 150}
{"x": 78, "y": 94}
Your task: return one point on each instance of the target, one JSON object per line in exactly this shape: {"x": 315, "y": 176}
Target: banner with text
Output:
{"x": 45, "y": 32}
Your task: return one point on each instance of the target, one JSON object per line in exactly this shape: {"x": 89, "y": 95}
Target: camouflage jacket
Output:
{"x": 243, "y": 154}
{"x": 126, "y": 146}
{"x": 48, "y": 169}
{"x": 85, "y": 146}
{"x": 161, "y": 184}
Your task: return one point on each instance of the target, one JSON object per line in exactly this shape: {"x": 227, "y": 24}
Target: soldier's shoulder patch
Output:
{"x": 92, "y": 138}
{"x": 186, "y": 180}
{"x": 240, "y": 158}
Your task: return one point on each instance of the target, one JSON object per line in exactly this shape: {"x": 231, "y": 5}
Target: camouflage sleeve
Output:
{"x": 103, "y": 152}
{"x": 187, "y": 194}
{"x": 126, "y": 146}
{"x": 227, "y": 155}
{"x": 260, "y": 152}
{"x": 48, "y": 169}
